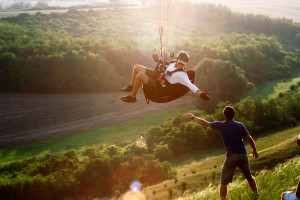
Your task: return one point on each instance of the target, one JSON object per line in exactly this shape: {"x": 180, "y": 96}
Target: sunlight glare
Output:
{"x": 141, "y": 142}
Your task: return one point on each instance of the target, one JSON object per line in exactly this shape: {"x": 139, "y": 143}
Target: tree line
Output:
{"x": 92, "y": 51}
{"x": 93, "y": 172}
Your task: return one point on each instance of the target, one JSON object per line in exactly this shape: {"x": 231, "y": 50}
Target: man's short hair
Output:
{"x": 229, "y": 112}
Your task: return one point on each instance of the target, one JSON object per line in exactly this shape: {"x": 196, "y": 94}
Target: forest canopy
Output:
{"x": 93, "y": 51}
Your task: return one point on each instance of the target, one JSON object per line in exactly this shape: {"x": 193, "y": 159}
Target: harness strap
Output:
{"x": 169, "y": 73}
{"x": 162, "y": 79}
{"x": 161, "y": 66}
{"x": 147, "y": 101}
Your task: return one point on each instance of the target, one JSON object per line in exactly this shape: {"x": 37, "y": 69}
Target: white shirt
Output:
{"x": 289, "y": 195}
{"x": 180, "y": 77}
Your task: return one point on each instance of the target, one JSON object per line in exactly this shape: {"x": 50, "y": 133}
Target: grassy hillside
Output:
{"x": 274, "y": 88}
{"x": 271, "y": 184}
{"x": 200, "y": 173}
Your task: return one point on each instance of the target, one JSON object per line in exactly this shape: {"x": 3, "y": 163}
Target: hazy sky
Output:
{"x": 274, "y": 8}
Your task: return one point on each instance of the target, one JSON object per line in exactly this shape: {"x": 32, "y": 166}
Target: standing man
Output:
{"x": 232, "y": 133}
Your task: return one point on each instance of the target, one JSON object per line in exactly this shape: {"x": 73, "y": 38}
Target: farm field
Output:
{"x": 34, "y": 117}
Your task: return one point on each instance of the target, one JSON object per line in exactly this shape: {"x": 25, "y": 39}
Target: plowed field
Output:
{"x": 29, "y": 117}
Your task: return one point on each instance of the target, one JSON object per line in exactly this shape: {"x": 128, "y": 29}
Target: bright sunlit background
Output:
{"x": 273, "y": 8}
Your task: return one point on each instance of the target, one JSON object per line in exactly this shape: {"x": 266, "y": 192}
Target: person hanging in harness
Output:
{"x": 157, "y": 83}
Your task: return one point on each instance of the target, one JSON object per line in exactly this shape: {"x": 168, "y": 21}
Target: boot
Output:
{"x": 128, "y": 99}
{"x": 127, "y": 89}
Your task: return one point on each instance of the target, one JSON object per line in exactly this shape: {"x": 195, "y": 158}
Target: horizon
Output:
{"x": 288, "y": 9}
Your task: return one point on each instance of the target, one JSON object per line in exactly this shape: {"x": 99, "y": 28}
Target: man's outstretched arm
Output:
{"x": 197, "y": 119}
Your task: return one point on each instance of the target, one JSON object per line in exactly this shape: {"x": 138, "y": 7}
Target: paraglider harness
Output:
{"x": 164, "y": 91}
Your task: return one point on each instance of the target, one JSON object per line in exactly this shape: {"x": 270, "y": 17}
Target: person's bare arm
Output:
{"x": 197, "y": 119}
{"x": 298, "y": 189}
{"x": 282, "y": 196}
{"x": 253, "y": 146}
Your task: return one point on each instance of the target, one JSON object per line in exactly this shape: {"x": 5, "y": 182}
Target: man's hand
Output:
{"x": 205, "y": 96}
{"x": 199, "y": 120}
{"x": 252, "y": 144}
{"x": 255, "y": 154}
{"x": 156, "y": 57}
{"x": 189, "y": 115}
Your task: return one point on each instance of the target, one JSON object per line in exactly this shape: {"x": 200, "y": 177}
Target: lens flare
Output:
{"x": 135, "y": 186}
{"x": 141, "y": 142}
{"x": 135, "y": 192}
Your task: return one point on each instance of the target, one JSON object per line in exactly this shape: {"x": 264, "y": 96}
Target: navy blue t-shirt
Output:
{"x": 232, "y": 133}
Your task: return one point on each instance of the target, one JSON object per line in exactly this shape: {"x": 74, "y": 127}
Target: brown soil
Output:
{"x": 32, "y": 117}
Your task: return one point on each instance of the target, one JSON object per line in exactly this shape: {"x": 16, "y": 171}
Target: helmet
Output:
{"x": 183, "y": 56}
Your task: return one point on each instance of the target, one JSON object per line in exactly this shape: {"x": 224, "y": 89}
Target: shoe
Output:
{"x": 127, "y": 89}
{"x": 128, "y": 99}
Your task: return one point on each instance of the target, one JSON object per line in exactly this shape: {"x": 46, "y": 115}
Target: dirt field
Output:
{"x": 27, "y": 118}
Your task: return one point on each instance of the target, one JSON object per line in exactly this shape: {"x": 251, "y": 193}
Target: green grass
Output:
{"x": 274, "y": 88}
{"x": 271, "y": 183}
{"x": 116, "y": 133}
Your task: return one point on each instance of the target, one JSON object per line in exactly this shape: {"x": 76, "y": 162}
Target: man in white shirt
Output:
{"x": 143, "y": 75}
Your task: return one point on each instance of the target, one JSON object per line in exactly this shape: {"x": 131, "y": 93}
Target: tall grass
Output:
{"x": 271, "y": 183}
